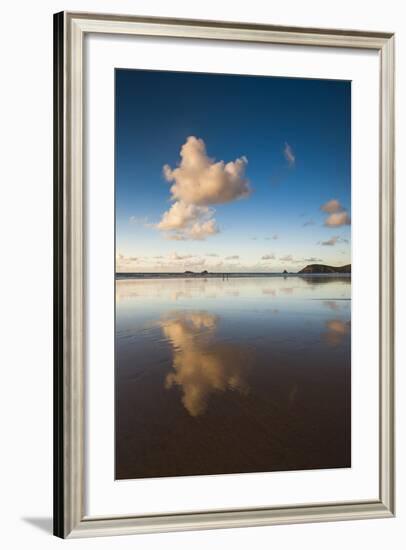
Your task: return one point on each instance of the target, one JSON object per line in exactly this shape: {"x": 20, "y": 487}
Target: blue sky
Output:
{"x": 283, "y": 201}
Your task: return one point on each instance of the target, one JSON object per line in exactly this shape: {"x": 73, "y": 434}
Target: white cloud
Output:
{"x": 135, "y": 220}
{"x": 337, "y": 214}
{"x": 289, "y": 155}
{"x": 188, "y": 221}
{"x": 125, "y": 263}
{"x": 234, "y": 257}
{"x": 331, "y": 206}
{"x": 176, "y": 256}
{"x": 196, "y": 262}
{"x": 333, "y": 241}
{"x": 287, "y": 258}
{"x": 268, "y": 257}
{"x": 337, "y": 219}
{"x": 200, "y": 230}
{"x": 199, "y": 182}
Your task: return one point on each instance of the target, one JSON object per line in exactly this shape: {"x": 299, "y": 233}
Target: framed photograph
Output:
{"x": 224, "y": 288}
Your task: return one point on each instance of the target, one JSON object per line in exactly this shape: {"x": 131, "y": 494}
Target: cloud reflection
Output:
{"x": 200, "y": 365}
{"x": 336, "y": 331}
{"x": 331, "y": 304}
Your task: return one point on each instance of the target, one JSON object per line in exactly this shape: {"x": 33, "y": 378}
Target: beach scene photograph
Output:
{"x": 232, "y": 274}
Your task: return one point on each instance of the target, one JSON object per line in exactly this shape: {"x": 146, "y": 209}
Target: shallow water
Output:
{"x": 227, "y": 376}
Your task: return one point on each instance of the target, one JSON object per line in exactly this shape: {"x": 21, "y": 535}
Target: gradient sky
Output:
{"x": 290, "y": 208}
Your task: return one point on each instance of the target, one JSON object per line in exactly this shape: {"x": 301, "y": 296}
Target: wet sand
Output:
{"x": 246, "y": 375}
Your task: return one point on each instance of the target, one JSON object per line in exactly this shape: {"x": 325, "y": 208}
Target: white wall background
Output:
{"x": 26, "y": 271}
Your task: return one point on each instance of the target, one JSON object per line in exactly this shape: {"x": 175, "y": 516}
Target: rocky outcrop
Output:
{"x": 320, "y": 268}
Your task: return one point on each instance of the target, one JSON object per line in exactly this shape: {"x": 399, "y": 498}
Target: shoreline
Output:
{"x": 226, "y": 275}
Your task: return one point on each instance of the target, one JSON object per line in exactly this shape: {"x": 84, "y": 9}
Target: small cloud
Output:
{"x": 312, "y": 259}
{"x": 176, "y": 256}
{"x": 235, "y": 257}
{"x": 124, "y": 263}
{"x": 268, "y": 257}
{"x": 212, "y": 255}
{"x": 333, "y": 241}
{"x": 331, "y": 206}
{"x": 138, "y": 220}
{"x": 330, "y": 242}
{"x": 287, "y": 258}
{"x": 337, "y": 219}
{"x": 289, "y": 155}
{"x": 253, "y": 238}
{"x": 309, "y": 222}
{"x": 337, "y": 214}
{"x": 197, "y": 262}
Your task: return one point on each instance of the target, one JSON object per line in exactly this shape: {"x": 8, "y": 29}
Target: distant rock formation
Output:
{"x": 320, "y": 268}
{"x": 204, "y": 272}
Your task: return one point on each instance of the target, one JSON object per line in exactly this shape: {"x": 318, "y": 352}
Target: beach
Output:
{"x": 232, "y": 374}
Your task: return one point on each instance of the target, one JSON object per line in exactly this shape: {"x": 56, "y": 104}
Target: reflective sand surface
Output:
{"x": 226, "y": 376}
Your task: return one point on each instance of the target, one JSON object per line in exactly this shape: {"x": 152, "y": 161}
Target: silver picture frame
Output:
{"x": 70, "y": 520}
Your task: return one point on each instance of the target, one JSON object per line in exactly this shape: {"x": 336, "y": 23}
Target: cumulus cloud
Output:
{"x": 289, "y": 155}
{"x": 188, "y": 221}
{"x": 268, "y": 257}
{"x": 337, "y": 214}
{"x": 234, "y": 257}
{"x": 201, "y": 181}
{"x": 197, "y": 183}
{"x": 331, "y": 206}
{"x": 337, "y": 219}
